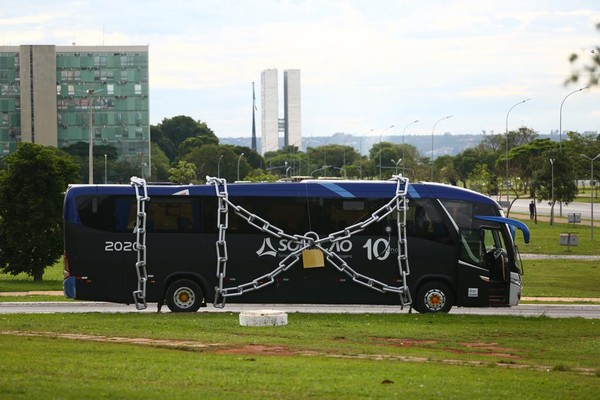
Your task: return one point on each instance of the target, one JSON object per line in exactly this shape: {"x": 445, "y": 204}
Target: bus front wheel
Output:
{"x": 184, "y": 295}
{"x": 434, "y": 297}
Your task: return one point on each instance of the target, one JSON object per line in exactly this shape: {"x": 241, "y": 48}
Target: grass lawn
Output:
{"x": 561, "y": 278}
{"x": 99, "y": 356}
{"x": 545, "y": 239}
{"x": 346, "y": 356}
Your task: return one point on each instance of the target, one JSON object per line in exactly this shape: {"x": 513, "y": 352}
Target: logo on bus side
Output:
{"x": 267, "y": 249}
{"x": 378, "y": 249}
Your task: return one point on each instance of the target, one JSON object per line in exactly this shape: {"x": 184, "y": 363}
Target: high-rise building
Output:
{"x": 290, "y": 124}
{"x": 49, "y": 94}
{"x": 269, "y": 101}
{"x": 292, "y": 108}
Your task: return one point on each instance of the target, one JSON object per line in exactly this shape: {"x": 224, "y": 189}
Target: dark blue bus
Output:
{"x": 427, "y": 245}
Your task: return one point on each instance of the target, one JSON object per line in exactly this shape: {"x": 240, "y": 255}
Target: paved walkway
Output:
{"x": 34, "y": 293}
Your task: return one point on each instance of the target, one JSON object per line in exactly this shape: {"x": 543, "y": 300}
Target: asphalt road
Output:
{"x": 521, "y": 206}
{"x": 549, "y": 310}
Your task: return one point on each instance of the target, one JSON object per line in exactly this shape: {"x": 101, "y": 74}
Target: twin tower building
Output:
{"x": 272, "y": 125}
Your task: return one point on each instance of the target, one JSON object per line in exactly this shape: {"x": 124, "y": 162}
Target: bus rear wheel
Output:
{"x": 434, "y": 297}
{"x": 184, "y": 295}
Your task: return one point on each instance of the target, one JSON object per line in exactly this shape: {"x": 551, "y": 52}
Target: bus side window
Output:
{"x": 99, "y": 212}
{"x": 424, "y": 221}
{"x": 172, "y": 215}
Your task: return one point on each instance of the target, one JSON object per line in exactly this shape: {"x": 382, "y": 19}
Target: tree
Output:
{"x": 445, "y": 165}
{"x": 258, "y": 175}
{"x": 590, "y": 67}
{"x": 31, "y": 202}
{"x": 335, "y": 157}
{"x": 527, "y": 158}
{"x": 184, "y": 172}
{"x": 481, "y": 180}
{"x": 80, "y": 155}
{"x": 160, "y": 164}
{"x": 217, "y": 161}
{"x": 465, "y": 162}
{"x": 171, "y": 133}
{"x": 555, "y": 180}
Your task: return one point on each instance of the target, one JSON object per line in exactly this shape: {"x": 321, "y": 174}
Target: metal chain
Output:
{"x": 399, "y": 203}
{"x": 141, "y": 195}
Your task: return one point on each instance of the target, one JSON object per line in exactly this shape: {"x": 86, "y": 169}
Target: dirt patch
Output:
{"x": 256, "y": 349}
{"x": 404, "y": 342}
{"x": 476, "y": 348}
{"x": 491, "y": 349}
{"x": 251, "y": 350}
{"x": 170, "y": 343}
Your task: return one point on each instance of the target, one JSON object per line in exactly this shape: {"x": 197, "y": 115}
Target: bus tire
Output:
{"x": 184, "y": 295}
{"x": 434, "y": 297}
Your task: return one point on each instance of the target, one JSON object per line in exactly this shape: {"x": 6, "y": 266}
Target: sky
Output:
{"x": 365, "y": 64}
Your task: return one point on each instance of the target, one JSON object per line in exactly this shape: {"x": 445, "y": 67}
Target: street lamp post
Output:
{"x": 238, "y": 166}
{"x": 592, "y": 190}
{"x": 507, "y": 114}
{"x": 219, "y": 166}
{"x": 323, "y": 168}
{"x": 403, "y": 131}
{"x": 560, "y": 116}
{"x": 396, "y": 163}
{"x": 552, "y": 207}
{"x": 287, "y": 169}
{"x": 105, "y": 169}
{"x": 90, "y": 92}
{"x": 432, "y": 131}
{"x": 380, "y": 149}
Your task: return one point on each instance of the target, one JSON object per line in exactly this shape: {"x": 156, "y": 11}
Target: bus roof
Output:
{"x": 311, "y": 188}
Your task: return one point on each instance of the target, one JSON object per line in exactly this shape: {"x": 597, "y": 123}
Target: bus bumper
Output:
{"x": 69, "y": 285}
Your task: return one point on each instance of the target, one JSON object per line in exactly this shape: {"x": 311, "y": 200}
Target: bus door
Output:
{"x": 494, "y": 259}
{"x": 484, "y": 271}
{"x": 473, "y": 277}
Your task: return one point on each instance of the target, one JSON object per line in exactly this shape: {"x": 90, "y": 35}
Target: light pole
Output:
{"x": 432, "y": 131}
{"x": 219, "y": 166}
{"x": 552, "y": 207}
{"x": 105, "y": 169}
{"x": 90, "y": 92}
{"x": 507, "y": 114}
{"x": 560, "y": 116}
{"x": 403, "y": 131}
{"x": 592, "y": 190}
{"x": 287, "y": 169}
{"x": 396, "y": 163}
{"x": 380, "y": 149}
{"x": 238, "y": 166}
{"x": 323, "y": 168}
